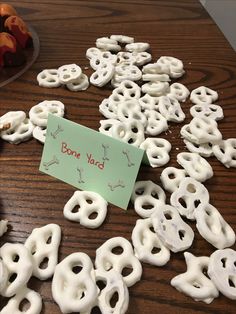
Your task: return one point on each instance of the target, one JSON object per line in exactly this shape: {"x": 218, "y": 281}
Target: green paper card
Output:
{"x": 90, "y": 160}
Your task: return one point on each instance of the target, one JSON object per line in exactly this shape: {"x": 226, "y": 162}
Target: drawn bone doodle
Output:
{"x": 58, "y": 130}
{"x": 105, "y": 148}
{"x": 126, "y": 153}
{"x": 80, "y": 170}
{"x": 51, "y": 162}
{"x": 113, "y": 186}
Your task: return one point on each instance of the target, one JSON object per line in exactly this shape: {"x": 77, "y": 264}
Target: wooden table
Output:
{"x": 30, "y": 199}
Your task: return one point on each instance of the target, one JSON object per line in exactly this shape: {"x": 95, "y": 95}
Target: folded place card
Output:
{"x": 90, "y": 160}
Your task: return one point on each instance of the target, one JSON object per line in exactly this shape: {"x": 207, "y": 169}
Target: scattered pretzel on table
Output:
{"x": 194, "y": 282}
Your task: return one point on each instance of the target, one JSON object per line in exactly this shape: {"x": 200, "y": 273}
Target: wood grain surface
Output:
{"x": 30, "y": 199}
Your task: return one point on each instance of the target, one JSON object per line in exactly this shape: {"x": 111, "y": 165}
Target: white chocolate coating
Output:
{"x": 193, "y": 282}
{"x": 106, "y": 259}
{"x": 43, "y": 244}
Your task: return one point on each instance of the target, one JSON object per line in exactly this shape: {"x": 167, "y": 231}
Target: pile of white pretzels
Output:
{"x": 17, "y": 128}
{"x": 38, "y": 257}
{"x": 142, "y": 104}
{"x": 113, "y": 65}
{"x": 79, "y": 287}
{"x": 202, "y": 135}
{"x": 163, "y": 230}
{"x": 133, "y": 111}
{"x": 76, "y": 285}
{"x": 69, "y": 75}
{"x": 130, "y": 117}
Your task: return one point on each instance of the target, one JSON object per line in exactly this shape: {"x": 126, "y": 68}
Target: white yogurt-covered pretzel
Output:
{"x": 212, "y": 227}
{"x": 131, "y": 110}
{"x": 214, "y": 112}
{"x": 225, "y": 152}
{"x": 43, "y": 244}
{"x": 222, "y": 271}
{"x": 39, "y": 113}
{"x": 155, "y": 72}
{"x": 49, "y": 78}
{"x": 73, "y": 285}
{"x": 155, "y": 88}
{"x": 172, "y": 230}
{"x": 34, "y": 303}
{"x": 117, "y": 79}
{"x": 106, "y": 126}
{"x": 137, "y": 47}
{"x": 179, "y": 91}
{"x": 170, "y": 108}
{"x": 146, "y": 197}
{"x": 187, "y": 134}
{"x": 154, "y": 68}
{"x": 107, "y": 258}
{"x": 156, "y": 123}
{"x": 171, "y": 178}
{"x": 155, "y": 77}
{"x": 102, "y": 75}
{"x": 89, "y": 203}
{"x": 174, "y": 66}
{"x": 194, "y": 282}
{"x": 146, "y": 242}
{"x": 114, "y": 284}
{"x": 102, "y": 57}
{"x": 93, "y": 52}
{"x": 157, "y": 150}
{"x": 82, "y": 83}
{"x": 13, "y": 118}
{"x": 127, "y": 90}
{"x": 69, "y": 73}
{"x": 125, "y": 57}
{"x": 110, "y": 284}
{"x": 131, "y": 104}
{"x": 131, "y": 132}
{"x": 205, "y": 130}
{"x": 3, "y": 276}
{"x": 204, "y": 150}
{"x": 39, "y": 133}
{"x": 19, "y": 265}
{"x": 114, "y": 100}
{"x": 189, "y": 195}
{"x": 157, "y": 68}
{"x": 203, "y": 95}
{"x": 125, "y": 71}
{"x": 141, "y": 58}
{"x": 106, "y": 43}
{"x": 148, "y": 188}
{"x": 21, "y": 133}
{"x": 148, "y": 102}
{"x": 123, "y": 39}
{"x": 196, "y": 166}
{"x": 107, "y": 110}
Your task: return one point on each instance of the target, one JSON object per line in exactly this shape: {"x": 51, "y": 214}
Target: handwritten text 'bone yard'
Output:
{"x": 68, "y": 151}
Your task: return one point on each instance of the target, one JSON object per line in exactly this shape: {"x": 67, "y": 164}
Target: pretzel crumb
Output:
{"x": 4, "y": 127}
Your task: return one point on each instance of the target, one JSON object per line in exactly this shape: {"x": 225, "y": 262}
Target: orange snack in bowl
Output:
{"x": 10, "y": 52}
{"x": 6, "y": 10}
{"x": 17, "y": 27}
{"x": 15, "y": 37}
